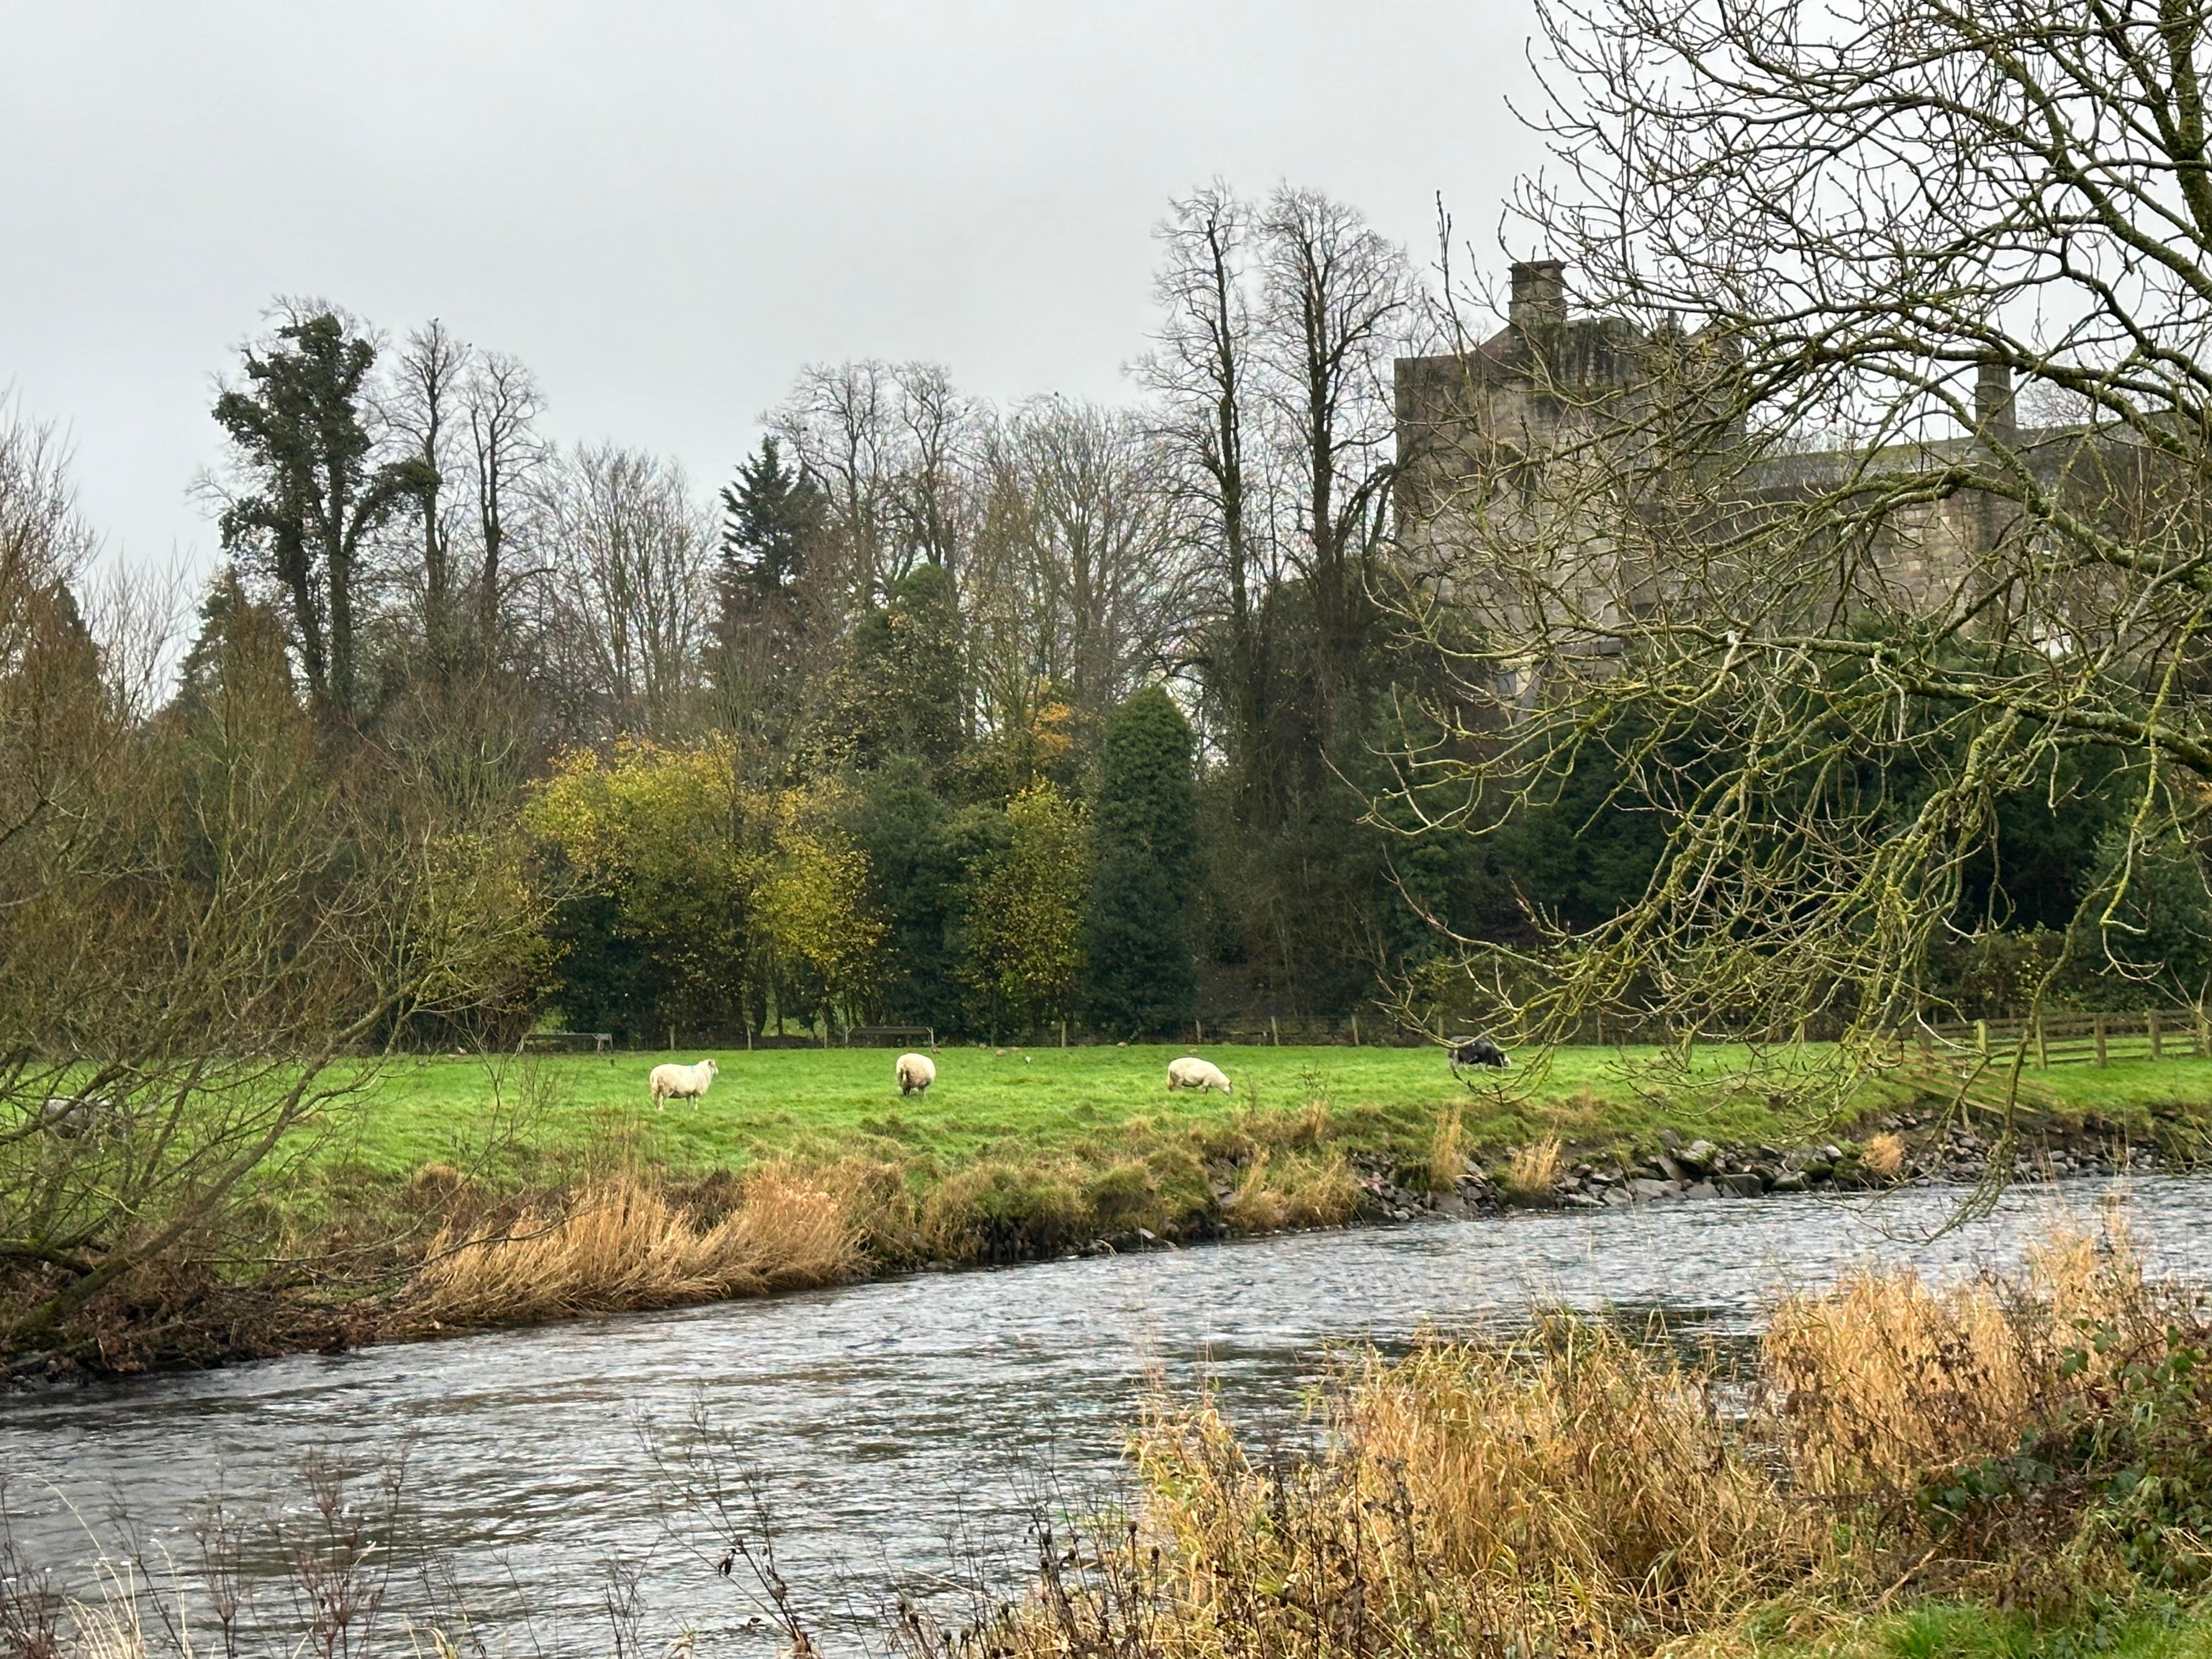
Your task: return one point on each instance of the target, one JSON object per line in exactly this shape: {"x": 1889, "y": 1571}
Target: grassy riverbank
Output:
{"x": 452, "y": 1191}
{"x": 827, "y": 1103}
{"x": 550, "y": 1185}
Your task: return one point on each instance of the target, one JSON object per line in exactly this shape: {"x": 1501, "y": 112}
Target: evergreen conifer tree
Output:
{"x": 1138, "y": 929}
{"x": 901, "y": 691}
{"x": 769, "y": 515}
{"x": 772, "y": 518}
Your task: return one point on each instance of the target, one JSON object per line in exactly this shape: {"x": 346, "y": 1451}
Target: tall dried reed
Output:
{"x": 620, "y": 1243}
{"x": 1470, "y": 1498}
{"x": 1580, "y": 1492}
{"x": 1887, "y": 1380}
{"x": 1883, "y": 1155}
{"x": 1532, "y": 1175}
{"x": 1447, "y": 1157}
{"x": 1292, "y": 1191}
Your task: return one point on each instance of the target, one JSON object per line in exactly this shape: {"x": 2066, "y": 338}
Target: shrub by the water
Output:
{"x": 1533, "y": 1173}
{"x": 2021, "y": 1453}
{"x": 622, "y": 1244}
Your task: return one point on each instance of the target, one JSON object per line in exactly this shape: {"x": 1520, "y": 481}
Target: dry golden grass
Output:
{"x": 623, "y": 1244}
{"x": 1884, "y": 1156}
{"x": 108, "y": 1630}
{"x": 1577, "y": 1492}
{"x": 1292, "y": 1191}
{"x": 1448, "y": 1145}
{"x": 1554, "y": 1496}
{"x": 1533, "y": 1174}
{"x": 1888, "y": 1379}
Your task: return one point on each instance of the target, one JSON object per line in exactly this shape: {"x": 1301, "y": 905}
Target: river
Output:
{"x": 887, "y": 1422}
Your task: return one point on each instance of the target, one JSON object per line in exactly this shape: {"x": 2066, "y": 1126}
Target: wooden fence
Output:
{"x": 2078, "y": 1039}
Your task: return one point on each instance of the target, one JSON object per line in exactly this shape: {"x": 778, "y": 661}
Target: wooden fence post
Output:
{"x": 2100, "y": 1039}
{"x": 2157, "y": 1051}
{"x": 1273, "y": 1035}
{"x": 2042, "y": 1055}
{"x": 1982, "y": 1038}
{"x": 1355, "y": 1029}
{"x": 2203, "y": 1033}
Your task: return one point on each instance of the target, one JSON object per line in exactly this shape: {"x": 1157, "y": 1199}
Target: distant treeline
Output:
{"x": 981, "y": 717}
{"x": 938, "y": 712}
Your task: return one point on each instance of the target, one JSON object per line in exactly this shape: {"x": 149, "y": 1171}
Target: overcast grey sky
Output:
{"x": 666, "y": 209}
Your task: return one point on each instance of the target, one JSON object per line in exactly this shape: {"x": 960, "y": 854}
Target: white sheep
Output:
{"x": 1191, "y": 1073}
{"x": 682, "y": 1082}
{"x": 913, "y": 1074}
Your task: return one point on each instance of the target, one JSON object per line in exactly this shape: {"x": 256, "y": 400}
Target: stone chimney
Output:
{"x": 1539, "y": 293}
{"x": 1994, "y": 414}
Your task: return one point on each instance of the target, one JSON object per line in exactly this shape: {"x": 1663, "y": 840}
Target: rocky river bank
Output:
{"x": 1902, "y": 1148}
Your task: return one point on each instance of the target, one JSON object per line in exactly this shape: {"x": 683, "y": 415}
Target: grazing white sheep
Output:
{"x": 913, "y": 1074}
{"x": 1191, "y": 1073}
{"x": 682, "y": 1082}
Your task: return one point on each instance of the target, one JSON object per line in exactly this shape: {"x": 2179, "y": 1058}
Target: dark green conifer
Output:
{"x": 1138, "y": 931}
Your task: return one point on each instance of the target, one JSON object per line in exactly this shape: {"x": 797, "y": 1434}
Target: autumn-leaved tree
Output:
{"x": 663, "y": 850}
{"x": 824, "y": 942}
{"x": 1023, "y": 957}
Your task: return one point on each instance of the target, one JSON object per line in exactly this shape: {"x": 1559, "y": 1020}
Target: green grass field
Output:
{"x": 1029, "y": 1104}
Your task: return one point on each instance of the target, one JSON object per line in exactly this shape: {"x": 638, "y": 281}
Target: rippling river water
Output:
{"x": 881, "y": 1417}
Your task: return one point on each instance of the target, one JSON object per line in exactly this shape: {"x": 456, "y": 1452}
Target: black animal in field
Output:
{"x": 1477, "y": 1051}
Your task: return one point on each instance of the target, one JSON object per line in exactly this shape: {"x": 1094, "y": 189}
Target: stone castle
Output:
{"x": 1484, "y": 431}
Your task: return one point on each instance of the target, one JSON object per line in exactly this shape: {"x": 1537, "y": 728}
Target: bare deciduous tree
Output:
{"x": 896, "y": 449}
{"x": 1764, "y": 525}
{"x": 841, "y": 426}
{"x": 197, "y": 919}
{"x": 509, "y": 458}
{"x": 468, "y": 420}
{"x": 1078, "y": 578}
{"x": 1202, "y": 366}
{"x": 1340, "y": 304}
{"x": 941, "y": 433}
{"x": 422, "y": 407}
{"x": 632, "y": 573}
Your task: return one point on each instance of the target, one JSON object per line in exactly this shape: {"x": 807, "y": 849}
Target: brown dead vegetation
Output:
{"x": 2034, "y": 1444}
{"x": 1532, "y": 1175}
{"x": 622, "y": 1243}
{"x": 1883, "y": 1155}
{"x": 1292, "y": 1189}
